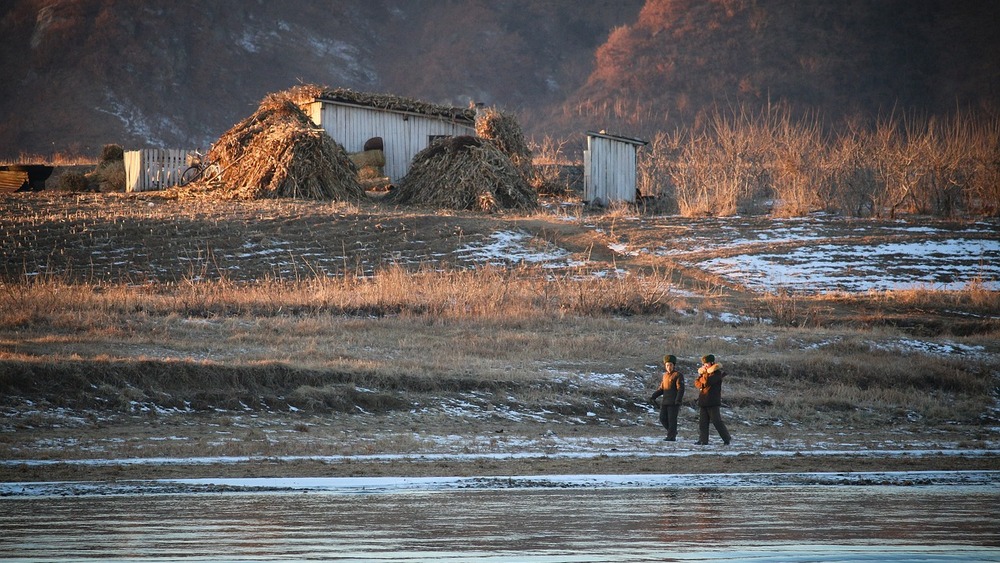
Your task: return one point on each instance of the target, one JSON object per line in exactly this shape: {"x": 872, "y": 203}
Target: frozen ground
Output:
{"x": 806, "y": 255}
{"x": 950, "y": 264}
{"x": 816, "y": 254}
{"x": 989, "y": 480}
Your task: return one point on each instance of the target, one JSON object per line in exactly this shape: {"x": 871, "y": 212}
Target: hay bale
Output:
{"x": 464, "y": 173}
{"x": 279, "y": 152}
{"x": 368, "y": 159}
{"x": 109, "y": 175}
{"x": 371, "y": 169}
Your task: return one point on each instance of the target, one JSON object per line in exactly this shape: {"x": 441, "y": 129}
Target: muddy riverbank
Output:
{"x": 716, "y": 461}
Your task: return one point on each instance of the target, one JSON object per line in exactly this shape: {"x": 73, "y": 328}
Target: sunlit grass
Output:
{"x": 56, "y": 159}
{"x": 443, "y": 332}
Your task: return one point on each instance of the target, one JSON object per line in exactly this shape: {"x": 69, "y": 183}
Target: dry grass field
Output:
{"x": 374, "y": 338}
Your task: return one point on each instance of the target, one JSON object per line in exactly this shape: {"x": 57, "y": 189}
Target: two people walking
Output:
{"x": 709, "y": 385}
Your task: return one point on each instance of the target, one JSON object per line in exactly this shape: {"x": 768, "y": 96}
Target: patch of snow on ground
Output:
{"x": 942, "y": 265}
{"x": 735, "y": 233}
{"x": 622, "y": 249}
{"x": 594, "y": 379}
{"x": 509, "y": 247}
{"x": 733, "y": 319}
{"x": 606, "y": 379}
{"x": 931, "y": 348}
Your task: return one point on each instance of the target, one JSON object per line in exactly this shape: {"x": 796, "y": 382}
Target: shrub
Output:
{"x": 109, "y": 176}
{"x": 111, "y": 153}
{"x": 74, "y": 182}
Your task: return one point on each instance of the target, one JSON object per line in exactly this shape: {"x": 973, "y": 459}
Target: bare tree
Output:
{"x": 796, "y": 162}
{"x": 740, "y": 162}
{"x": 854, "y": 183}
{"x": 982, "y": 189}
{"x": 656, "y": 168}
{"x": 720, "y": 169}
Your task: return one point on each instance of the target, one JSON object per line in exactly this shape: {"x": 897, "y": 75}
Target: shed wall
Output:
{"x": 403, "y": 134}
{"x": 609, "y": 170}
{"x": 154, "y": 169}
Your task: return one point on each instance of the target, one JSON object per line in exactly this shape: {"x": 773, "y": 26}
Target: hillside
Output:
{"x": 82, "y": 73}
{"x": 840, "y": 60}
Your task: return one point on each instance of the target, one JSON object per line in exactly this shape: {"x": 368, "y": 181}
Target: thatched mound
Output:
{"x": 505, "y": 132}
{"x": 279, "y": 152}
{"x": 464, "y": 173}
{"x": 302, "y": 94}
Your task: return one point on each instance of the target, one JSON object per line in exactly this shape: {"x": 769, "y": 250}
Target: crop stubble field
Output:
{"x": 310, "y": 338}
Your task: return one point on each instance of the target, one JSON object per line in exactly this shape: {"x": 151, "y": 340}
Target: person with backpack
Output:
{"x": 709, "y": 384}
{"x": 671, "y": 391}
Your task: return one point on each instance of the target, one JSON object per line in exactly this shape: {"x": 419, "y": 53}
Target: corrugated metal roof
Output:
{"x": 16, "y": 177}
{"x": 12, "y": 181}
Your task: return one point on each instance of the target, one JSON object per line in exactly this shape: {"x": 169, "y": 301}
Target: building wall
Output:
{"x": 403, "y": 134}
{"x": 609, "y": 170}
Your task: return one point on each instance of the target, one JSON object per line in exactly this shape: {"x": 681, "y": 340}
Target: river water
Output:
{"x": 531, "y": 519}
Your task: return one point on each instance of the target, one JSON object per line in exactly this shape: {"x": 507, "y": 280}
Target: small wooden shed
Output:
{"x": 609, "y": 168}
{"x": 404, "y": 126}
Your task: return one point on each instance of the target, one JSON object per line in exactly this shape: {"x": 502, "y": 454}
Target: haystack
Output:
{"x": 279, "y": 152}
{"x": 505, "y": 132}
{"x": 464, "y": 173}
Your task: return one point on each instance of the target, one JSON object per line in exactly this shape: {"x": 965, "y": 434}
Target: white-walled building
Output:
{"x": 404, "y": 126}
{"x": 609, "y": 168}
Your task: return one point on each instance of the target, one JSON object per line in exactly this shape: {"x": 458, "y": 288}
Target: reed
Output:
{"x": 772, "y": 161}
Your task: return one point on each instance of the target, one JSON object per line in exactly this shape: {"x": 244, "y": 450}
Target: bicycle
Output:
{"x": 199, "y": 168}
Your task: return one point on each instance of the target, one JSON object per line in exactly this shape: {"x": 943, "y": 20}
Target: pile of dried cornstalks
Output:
{"x": 391, "y": 102}
{"x": 464, "y": 173}
{"x": 279, "y": 152}
{"x": 505, "y": 132}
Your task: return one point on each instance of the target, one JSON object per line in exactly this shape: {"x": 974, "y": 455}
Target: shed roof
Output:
{"x": 620, "y": 138}
{"x": 389, "y": 102}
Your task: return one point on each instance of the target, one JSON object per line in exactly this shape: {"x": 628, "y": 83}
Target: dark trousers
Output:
{"x": 711, "y": 414}
{"x": 668, "y": 418}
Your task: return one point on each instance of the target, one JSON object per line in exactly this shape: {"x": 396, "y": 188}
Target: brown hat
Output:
{"x": 670, "y": 359}
{"x": 708, "y": 359}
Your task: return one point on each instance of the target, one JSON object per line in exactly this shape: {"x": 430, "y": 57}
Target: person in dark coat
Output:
{"x": 709, "y": 384}
{"x": 671, "y": 391}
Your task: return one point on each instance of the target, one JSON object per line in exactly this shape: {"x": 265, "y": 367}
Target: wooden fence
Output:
{"x": 154, "y": 169}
